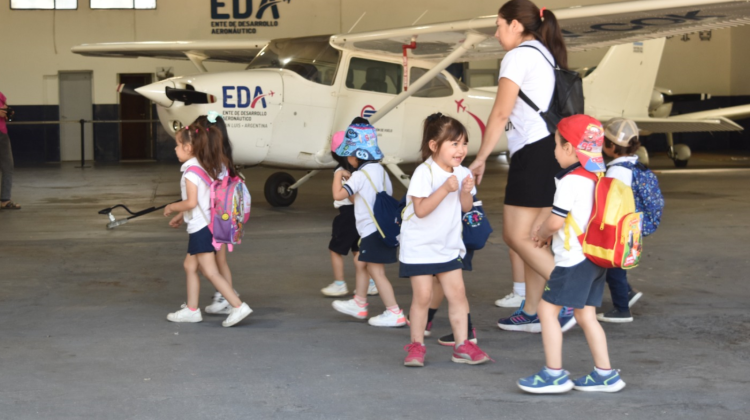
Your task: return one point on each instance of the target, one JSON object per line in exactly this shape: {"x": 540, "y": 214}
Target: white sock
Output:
{"x": 553, "y": 372}
{"x": 519, "y": 289}
{"x": 339, "y": 282}
{"x": 603, "y": 372}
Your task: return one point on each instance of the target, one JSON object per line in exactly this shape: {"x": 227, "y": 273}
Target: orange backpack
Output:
{"x": 613, "y": 236}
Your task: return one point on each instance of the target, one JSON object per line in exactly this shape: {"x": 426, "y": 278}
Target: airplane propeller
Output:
{"x": 189, "y": 96}
{"x": 127, "y": 89}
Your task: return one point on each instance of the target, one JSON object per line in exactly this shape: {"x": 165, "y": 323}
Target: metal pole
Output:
{"x": 83, "y": 144}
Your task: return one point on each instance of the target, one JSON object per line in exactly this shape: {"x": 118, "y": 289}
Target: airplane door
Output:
{"x": 368, "y": 85}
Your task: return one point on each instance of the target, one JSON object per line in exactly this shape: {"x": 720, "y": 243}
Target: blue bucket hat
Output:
{"x": 361, "y": 141}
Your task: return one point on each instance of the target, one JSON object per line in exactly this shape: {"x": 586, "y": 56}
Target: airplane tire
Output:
{"x": 680, "y": 163}
{"x": 277, "y": 190}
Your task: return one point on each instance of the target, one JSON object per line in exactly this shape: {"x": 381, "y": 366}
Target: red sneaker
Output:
{"x": 415, "y": 358}
{"x": 470, "y": 353}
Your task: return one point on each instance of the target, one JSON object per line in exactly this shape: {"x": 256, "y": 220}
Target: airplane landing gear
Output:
{"x": 277, "y": 191}
{"x": 679, "y": 153}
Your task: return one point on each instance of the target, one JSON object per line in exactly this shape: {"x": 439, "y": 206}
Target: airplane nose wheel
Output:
{"x": 277, "y": 191}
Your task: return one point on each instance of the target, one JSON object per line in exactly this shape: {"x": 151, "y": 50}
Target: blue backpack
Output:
{"x": 386, "y": 213}
{"x": 647, "y": 194}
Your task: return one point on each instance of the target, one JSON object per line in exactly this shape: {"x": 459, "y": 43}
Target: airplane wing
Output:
{"x": 584, "y": 28}
{"x": 232, "y": 51}
{"x": 681, "y": 124}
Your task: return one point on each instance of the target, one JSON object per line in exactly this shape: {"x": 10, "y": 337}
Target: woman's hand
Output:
{"x": 477, "y": 169}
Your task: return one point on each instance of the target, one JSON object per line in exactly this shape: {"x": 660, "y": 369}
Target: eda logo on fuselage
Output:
{"x": 239, "y": 97}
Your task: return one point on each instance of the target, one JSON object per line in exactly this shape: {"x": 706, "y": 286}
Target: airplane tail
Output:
{"x": 623, "y": 82}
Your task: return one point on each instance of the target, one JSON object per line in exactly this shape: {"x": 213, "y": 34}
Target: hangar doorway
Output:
{"x": 136, "y": 138}
{"x": 76, "y": 103}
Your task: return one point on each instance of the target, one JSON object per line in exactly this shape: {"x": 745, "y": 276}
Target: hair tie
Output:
{"x": 211, "y": 116}
{"x": 196, "y": 131}
{"x": 541, "y": 13}
{"x": 434, "y": 117}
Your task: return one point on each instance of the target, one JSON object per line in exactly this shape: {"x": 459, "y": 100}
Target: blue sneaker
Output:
{"x": 544, "y": 383}
{"x": 567, "y": 320}
{"x": 520, "y": 321}
{"x": 597, "y": 383}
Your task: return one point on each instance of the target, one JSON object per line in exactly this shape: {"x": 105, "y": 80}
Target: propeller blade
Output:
{"x": 189, "y": 96}
{"x": 127, "y": 89}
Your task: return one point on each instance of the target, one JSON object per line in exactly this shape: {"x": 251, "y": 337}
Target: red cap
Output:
{"x": 586, "y": 134}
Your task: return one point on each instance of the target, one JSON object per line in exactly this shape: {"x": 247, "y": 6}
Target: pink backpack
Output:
{"x": 230, "y": 208}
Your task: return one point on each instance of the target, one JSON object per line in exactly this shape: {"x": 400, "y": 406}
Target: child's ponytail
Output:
{"x": 206, "y": 144}
{"x": 541, "y": 23}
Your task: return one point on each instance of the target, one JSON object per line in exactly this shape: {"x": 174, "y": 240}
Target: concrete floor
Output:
{"x": 84, "y": 334}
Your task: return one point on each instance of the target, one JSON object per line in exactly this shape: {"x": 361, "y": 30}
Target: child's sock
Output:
{"x": 362, "y": 302}
{"x": 191, "y": 308}
{"x": 553, "y": 372}
{"x": 339, "y": 282}
{"x": 470, "y": 326}
{"x": 431, "y": 314}
{"x": 603, "y": 372}
{"x": 519, "y": 289}
{"x": 395, "y": 309}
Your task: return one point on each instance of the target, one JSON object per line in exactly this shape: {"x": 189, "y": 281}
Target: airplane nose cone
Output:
{"x": 157, "y": 92}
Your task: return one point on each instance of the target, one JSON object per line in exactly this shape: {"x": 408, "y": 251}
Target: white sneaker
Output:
{"x": 510, "y": 301}
{"x": 237, "y": 314}
{"x": 334, "y": 289}
{"x": 372, "y": 290}
{"x": 388, "y": 319}
{"x": 219, "y": 306}
{"x": 350, "y": 307}
{"x": 185, "y": 315}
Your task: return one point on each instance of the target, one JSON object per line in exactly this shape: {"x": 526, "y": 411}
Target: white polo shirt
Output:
{"x": 528, "y": 69}
{"x": 359, "y": 184}
{"x": 575, "y": 195}
{"x": 435, "y": 238}
{"x": 618, "y": 172}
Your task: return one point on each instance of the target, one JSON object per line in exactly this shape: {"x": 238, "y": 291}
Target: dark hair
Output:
{"x": 342, "y": 162}
{"x": 206, "y": 143}
{"x": 440, "y": 128}
{"x": 633, "y": 145}
{"x": 360, "y": 120}
{"x": 546, "y": 30}
{"x": 226, "y": 145}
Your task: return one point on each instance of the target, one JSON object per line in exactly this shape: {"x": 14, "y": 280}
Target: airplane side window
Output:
{"x": 374, "y": 76}
{"x": 438, "y": 87}
{"x": 313, "y": 58}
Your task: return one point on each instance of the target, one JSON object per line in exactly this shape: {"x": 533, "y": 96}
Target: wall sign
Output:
{"x": 230, "y": 17}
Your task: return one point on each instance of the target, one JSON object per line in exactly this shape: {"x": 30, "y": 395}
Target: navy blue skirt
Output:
{"x": 201, "y": 242}
{"x": 410, "y": 270}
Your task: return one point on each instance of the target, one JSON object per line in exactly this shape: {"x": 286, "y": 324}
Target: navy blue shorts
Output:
{"x": 409, "y": 270}
{"x": 201, "y": 242}
{"x": 372, "y": 249}
{"x": 577, "y": 286}
{"x": 344, "y": 236}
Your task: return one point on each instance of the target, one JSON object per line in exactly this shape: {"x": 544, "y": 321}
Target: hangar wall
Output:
{"x": 37, "y": 49}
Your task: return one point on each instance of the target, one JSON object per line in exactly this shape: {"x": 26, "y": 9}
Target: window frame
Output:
{"x": 399, "y": 87}
{"x": 446, "y": 77}
{"x": 120, "y": 8}
{"x": 10, "y": 6}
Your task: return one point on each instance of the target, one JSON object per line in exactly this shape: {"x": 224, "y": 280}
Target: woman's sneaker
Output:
{"x": 469, "y": 353}
{"x": 510, "y": 301}
{"x": 520, "y": 321}
{"x": 388, "y": 319}
{"x": 237, "y": 314}
{"x": 185, "y": 315}
{"x": 350, "y": 307}
{"x": 633, "y": 296}
{"x": 335, "y": 289}
{"x": 415, "y": 356}
{"x": 544, "y": 383}
{"x": 597, "y": 383}
{"x": 448, "y": 340}
{"x": 372, "y": 290}
{"x": 615, "y": 315}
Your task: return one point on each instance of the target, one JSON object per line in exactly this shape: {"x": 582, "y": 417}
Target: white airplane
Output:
{"x": 283, "y": 109}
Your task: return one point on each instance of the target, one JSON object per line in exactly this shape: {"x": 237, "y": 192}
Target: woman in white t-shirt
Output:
{"x": 431, "y": 241}
{"x": 533, "y": 40}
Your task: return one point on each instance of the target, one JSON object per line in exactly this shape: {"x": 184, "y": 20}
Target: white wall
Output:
{"x": 37, "y": 43}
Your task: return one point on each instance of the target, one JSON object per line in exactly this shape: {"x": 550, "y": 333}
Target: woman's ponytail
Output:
{"x": 541, "y": 23}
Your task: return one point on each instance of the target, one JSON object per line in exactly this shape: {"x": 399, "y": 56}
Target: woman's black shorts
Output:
{"x": 531, "y": 178}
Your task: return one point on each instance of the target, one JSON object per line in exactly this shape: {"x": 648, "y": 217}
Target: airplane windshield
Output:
{"x": 312, "y": 58}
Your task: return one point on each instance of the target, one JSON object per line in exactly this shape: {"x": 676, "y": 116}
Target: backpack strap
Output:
{"x": 411, "y": 203}
{"x": 522, "y": 95}
{"x": 202, "y": 174}
{"x": 569, "y": 221}
{"x": 369, "y": 209}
